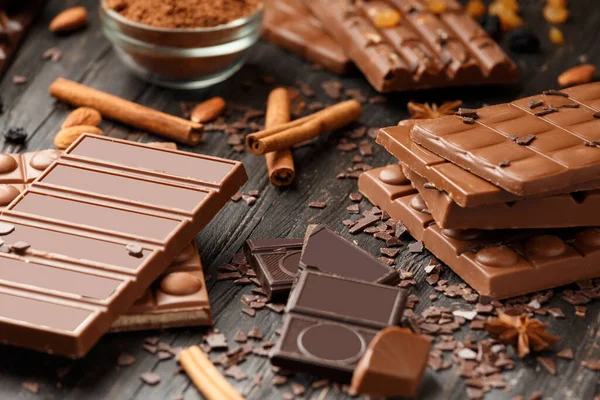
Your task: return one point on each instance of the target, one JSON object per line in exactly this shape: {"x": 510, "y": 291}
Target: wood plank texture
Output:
{"x": 89, "y": 59}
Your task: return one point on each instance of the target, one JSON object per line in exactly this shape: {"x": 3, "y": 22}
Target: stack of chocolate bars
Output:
{"x": 340, "y": 296}
{"x": 87, "y": 238}
{"x": 397, "y": 44}
{"x": 505, "y": 195}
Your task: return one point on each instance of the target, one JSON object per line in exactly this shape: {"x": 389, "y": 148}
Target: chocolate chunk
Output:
{"x": 135, "y": 250}
{"x": 20, "y": 247}
{"x": 533, "y": 103}
{"x": 150, "y": 378}
{"x": 416, "y": 247}
{"x": 15, "y": 135}
{"x": 317, "y": 204}
{"x": 555, "y": 93}
{"x": 6, "y": 228}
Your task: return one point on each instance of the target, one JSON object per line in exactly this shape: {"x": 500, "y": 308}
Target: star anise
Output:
{"x": 426, "y": 111}
{"x": 524, "y": 334}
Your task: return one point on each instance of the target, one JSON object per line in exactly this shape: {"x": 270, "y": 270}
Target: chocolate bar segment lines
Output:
{"x": 289, "y": 24}
{"x": 512, "y": 147}
{"x": 417, "y": 50}
{"x": 83, "y": 241}
{"x": 499, "y": 263}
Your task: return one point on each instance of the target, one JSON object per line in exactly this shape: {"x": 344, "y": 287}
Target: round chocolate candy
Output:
{"x": 497, "y": 256}
{"x": 462, "y": 234}
{"x": 44, "y": 158}
{"x": 417, "y": 203}
{"x": 546, "y": 246}
{"x": 7, "y": 194}
{"x": 393, "y": 175}
{"x": 331, "y": 342}
{"x": 7, "y": 164}
{"x": 180, "y": 284}
{"x": 588, "y": 237}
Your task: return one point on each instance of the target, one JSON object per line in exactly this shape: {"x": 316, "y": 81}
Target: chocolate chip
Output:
{"x": 135, "y": 250}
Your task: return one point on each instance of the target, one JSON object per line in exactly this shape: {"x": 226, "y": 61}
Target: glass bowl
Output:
{"x": 182, "y": 58}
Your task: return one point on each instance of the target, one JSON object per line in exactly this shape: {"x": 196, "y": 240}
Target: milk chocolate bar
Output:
{"x": 576, "y": 209}
{"x": 89, "y": 236}
{"x": 330, "y": 320}
{"x": 499, "y": 263}
{"x": 176, "y": 299}
{"x": 328, "y": 251}
{"x": 530, "y": 146}
{"x": 17, "y": 171}
{"x": 464, "y": 187}
{"x": 15, "y": 20}
{"x": 275, "y": 262}
{"x": 401, "y": 45}
{"x": 290, "y": 25}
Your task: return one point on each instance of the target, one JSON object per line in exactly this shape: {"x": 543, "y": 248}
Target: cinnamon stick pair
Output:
{"x": 291, "y": 133}
{"x": 127, "y": 112}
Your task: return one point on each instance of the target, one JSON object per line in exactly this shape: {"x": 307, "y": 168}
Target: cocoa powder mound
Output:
{"x": 183, "y": 13}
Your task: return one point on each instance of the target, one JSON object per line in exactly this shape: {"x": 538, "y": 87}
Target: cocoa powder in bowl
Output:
{"x": 183, "y": 14}
{"x": 182, "y": 43}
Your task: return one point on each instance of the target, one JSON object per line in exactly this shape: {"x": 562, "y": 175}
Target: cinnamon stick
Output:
{"x": 206, "y": 377}
{"x": 127, "y": 112}
{"x": 280, "y": 163}
{"x": 287, "y": 135}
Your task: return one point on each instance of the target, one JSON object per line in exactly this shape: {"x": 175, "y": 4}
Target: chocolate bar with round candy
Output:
{"x": 576, "y": 209}
{"x": 465, "y": 188}
{"x": 498, "y": 263}
{"x": 90, "y": 235}
{"x": 532, "y": 146}
{"x": 290, "y": 25}
{"x": 330, "y": 320}
{"x": 401, "y": 45}
{"x": 328, "y": 251}
{"x": 275, "y": 262}
{"x": 178, "y": 298}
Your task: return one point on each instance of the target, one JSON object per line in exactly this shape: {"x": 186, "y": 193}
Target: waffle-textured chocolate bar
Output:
{"x": 576, "y": 209}
{"x": 499, "y": 263}
{"x": 464, "y": 187}
{"x": 330, "y": 320}
{"x": 528, "y": 147}
{"x": 17, "y": 171}
{"x": 401, "y": 45}
{"x": 89, "y": 236}
{"x": 275, "y": 262}
{"x": 290, "y": 25}
{"x": 15, "y": 20}
{"x": 328, "y": 251}
{"x": 177, "y": 298}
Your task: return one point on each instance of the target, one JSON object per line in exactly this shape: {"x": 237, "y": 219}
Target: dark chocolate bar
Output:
{"x": 528, "y": 147}
{"x": 499, "y": 263}
{"x": 576, "y": 209}
{"x": 464, "y": 187}
{"x": 89, "y": 236}
{"x": 328, "y": 251}
{"x": 275, "y": 262}
{"x": 290, "y": 25}
{"x": 401, "y": 45}
{"x": 330, "y": 320}
{"x": 178, "y": 298}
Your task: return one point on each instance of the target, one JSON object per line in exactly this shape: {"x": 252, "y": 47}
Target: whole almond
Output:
{"x": 69, "y": 20}
{"x": 208, "y": 110}
{"x": 577, "y": 75}
{"x": 65, "y": 137}
{"x": 82, "y": 116}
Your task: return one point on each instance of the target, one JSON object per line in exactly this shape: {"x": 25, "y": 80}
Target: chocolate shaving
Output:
{"x": 467, "y": 112}
{"x": 468, "y": 120}
{"x": 533, "y": 103}
{"x": 555, "y": 93}
{"x": 150, "y": 378}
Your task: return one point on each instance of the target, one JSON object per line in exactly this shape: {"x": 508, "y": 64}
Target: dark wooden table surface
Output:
{"x": 89, "y": 58}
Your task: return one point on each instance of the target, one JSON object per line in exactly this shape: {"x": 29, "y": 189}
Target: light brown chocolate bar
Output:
{"x": 528, "y": 147}
{"x": 499, "y": 263}
{"x": 177, "y": 298}
{"x": 402, "y": 45}
{"x": 290, "y": 25}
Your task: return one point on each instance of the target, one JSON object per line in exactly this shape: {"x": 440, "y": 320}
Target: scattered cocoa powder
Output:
{"x": 183, "y": 13}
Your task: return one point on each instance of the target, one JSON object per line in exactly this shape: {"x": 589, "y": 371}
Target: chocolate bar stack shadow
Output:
{"x": 506, "y": 195}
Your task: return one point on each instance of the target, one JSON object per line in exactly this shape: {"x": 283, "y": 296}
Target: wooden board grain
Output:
{"x": 88, "y": 58}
